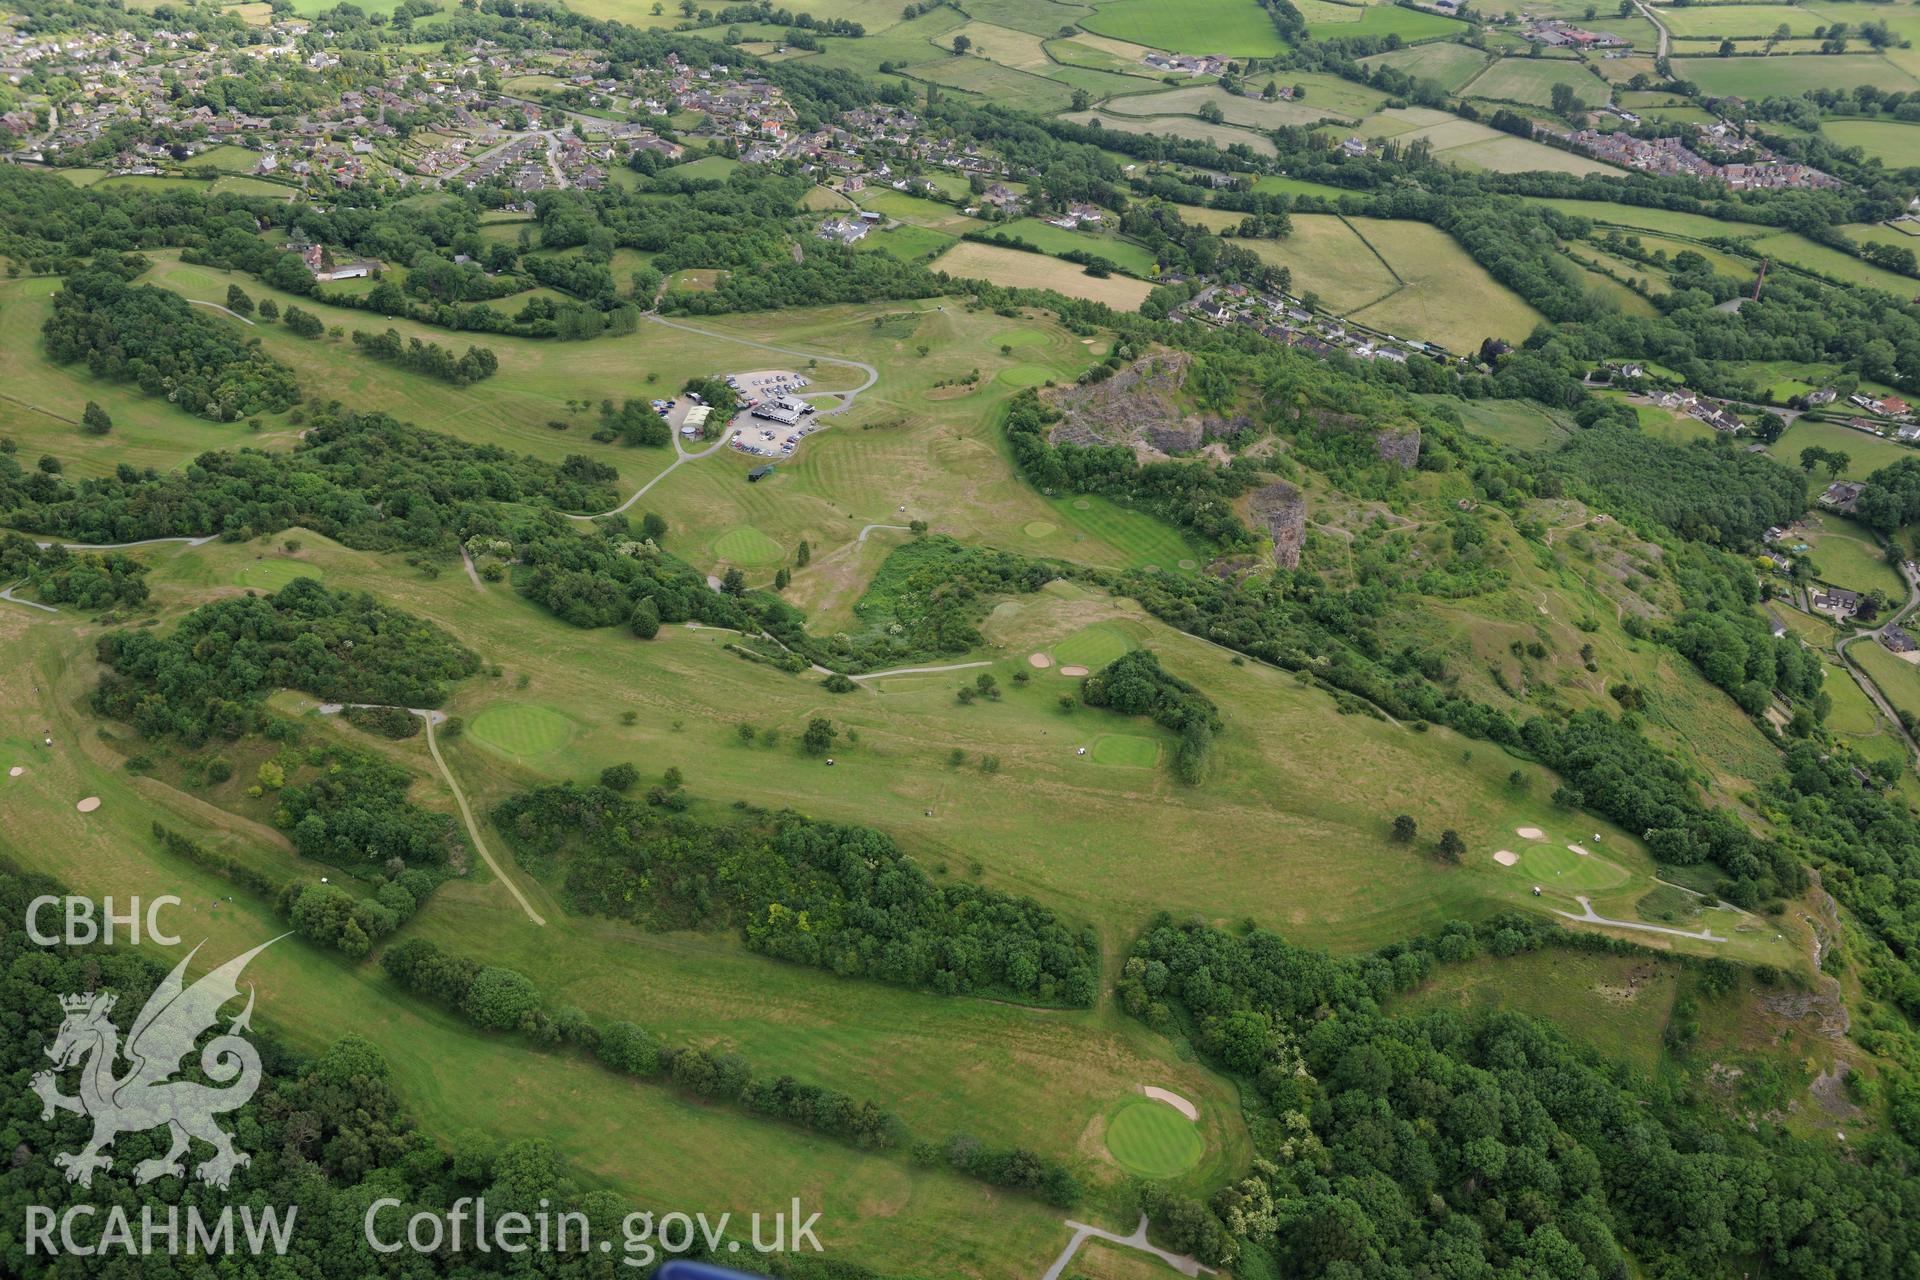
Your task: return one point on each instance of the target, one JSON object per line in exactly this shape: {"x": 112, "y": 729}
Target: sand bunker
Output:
{"x": 1585, "y": 853}
{"x": 1529, "y": 833}
{"x": 1073, "y": 671}
{"x": 1039, "y": 660}
{"x": 16, "y": 771}
{"x": 1507, "y": 858}
{"x": 1172, "y": 1099}
{"x": 89, "y": 804}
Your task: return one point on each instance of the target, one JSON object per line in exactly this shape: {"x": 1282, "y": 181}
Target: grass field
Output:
{"x": 1865, "y": 453}
{"x": 1231, "y": 28}
{"x": 1130, "y": 256}
{"x": 748, "y": 547}
{"x": 1899, "y": 681}
{"x": 909, "y": 243}
{"x": 1327, "y": 21}
{"x": 1407, "y": 278}
{"x": 272, "y": 574}
{"x": 1239, "y": 109}
{"x": 1847, "y": 555}
{"x": 1451, "y": 66}
{"x": 1531, "y": 81}
{"x": 1793, "y": 75}
{"x": 1190, "y": 127}
{"x": 1474, "y": 145}
{"x": 917, "y": 210}
{"x": 1792, "y": 247}
{"x": 1125, "y": 750}
{"x": 1445, "y": 296}
{"x": 1015, "y": 268}
{"x": 521, "y": 729}
{"x": 1151, "y": 1139}
{"x": 1521, "y": 424}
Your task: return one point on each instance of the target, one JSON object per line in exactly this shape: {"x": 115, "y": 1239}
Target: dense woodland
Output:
{"x": 151, "y": 337}
{"x": 208, "y": 677}
{"x": 365, "y": 479}
{"x": 1399, "y": 1146}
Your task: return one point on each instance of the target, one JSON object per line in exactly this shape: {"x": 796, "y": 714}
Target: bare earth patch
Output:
{"x": 1172, "y": 1099}
{"x": 1530, "y": 833}
{"x": 89, "y": 804}
{"x": 1040, "y": 660}
{"x": 1507, "y": 858}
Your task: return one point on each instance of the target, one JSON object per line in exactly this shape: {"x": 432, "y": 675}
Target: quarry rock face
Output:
{"x": 1284, "y": 508}
{"x": 1141, "y": 405}
{"x": 1398, "y": 444}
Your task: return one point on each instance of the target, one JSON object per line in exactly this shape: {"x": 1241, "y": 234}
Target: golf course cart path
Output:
{"x": 122, "y": 546}
{"x": 459, "y": 797}
{"x": 846, "y": 399}
{"x": 923, "y": 671}
{"x": 473, "y": 575}
{"x": 1138, "y": 1240}
{"x": 11, "y": 598}
{"x": 1705, "y": 935}
{"x": 214, "y": 306}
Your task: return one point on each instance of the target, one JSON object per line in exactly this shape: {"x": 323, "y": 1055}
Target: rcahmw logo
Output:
{"x": 143, "y": 1095}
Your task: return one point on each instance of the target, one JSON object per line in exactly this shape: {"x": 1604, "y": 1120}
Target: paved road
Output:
{"x": 1138, "y": 1240}
{"x": 1666, "y": 38}
{"x": 1705, "y": 935}
{"x": 1865, "y": 681}
{"x": 683, "y": 456}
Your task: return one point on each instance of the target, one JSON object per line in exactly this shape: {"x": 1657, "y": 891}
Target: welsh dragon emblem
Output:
{"x": 145, "y": 1096}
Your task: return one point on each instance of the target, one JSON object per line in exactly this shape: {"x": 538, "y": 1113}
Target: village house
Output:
{"x": 1837, "y": 601}
{"x": 1842, "y": 494}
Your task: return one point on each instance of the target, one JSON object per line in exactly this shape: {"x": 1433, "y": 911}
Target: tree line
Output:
{"x": 842, "y": 898}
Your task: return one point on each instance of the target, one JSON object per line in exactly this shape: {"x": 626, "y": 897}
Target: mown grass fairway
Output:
{"x": 521, "y": 729}
{"x": 273, "y": 574}
{"x": 748, "y": 547}
{"x": 1153, "y": 1140}
{"x": 1125, "y": 750}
